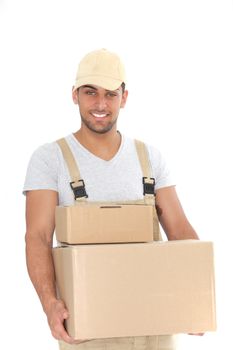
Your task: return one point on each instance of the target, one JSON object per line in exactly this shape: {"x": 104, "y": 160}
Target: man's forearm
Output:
{"x": 41, "y": 269}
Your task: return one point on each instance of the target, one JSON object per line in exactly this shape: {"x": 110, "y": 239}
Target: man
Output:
{"x": 109, "y": 165}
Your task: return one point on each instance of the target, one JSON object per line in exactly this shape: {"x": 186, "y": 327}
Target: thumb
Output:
{"x": 65, "y": 314}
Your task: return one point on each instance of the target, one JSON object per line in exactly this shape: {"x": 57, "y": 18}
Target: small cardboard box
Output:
{"x": 137, "y": 289}
{"x": 104, "y": 224}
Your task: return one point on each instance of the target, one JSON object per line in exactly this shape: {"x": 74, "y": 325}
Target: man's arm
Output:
{"x": 171, "y": 215}
{"x": 40, "y": 223}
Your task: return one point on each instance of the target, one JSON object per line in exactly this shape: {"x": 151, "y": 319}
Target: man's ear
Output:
{"x": 124, "y": 98}
{"x": 75, "y": 96}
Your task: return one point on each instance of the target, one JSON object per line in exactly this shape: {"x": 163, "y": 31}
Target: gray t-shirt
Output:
{"x": 118, "y": 179}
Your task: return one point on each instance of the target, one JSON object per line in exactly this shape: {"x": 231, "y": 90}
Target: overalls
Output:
{"x": 160, "y": 342}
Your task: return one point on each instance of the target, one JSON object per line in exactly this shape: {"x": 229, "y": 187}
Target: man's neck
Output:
{"x": 104, "y": 146}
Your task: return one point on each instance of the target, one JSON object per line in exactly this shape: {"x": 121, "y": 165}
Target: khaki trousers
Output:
{"x": 161, "y": 342}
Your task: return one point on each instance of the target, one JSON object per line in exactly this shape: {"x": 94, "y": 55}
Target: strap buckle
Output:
{"x": 148, "y": 185}
{"x": 78, "y": 188}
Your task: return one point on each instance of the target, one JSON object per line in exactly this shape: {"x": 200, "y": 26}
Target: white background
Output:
{"x": 178, "y": 56}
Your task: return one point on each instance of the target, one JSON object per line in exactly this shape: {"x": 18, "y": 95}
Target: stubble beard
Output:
{"x": 97, "y": 130}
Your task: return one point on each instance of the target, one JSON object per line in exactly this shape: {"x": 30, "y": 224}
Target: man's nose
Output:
{"x": 101, "y": 102}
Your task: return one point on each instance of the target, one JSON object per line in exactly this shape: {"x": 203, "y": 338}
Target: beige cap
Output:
{"x": 102, "y": 68}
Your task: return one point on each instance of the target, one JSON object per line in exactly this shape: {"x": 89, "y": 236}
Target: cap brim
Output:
{"x": 106, "y": 83}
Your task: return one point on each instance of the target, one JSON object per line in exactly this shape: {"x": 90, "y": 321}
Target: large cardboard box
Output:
{"x": 136, "y": 289}
{"x": 104, "y": 224}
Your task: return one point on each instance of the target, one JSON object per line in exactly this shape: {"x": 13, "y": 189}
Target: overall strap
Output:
{"x": 148, "y": 185}
{"x": 148, "y": 180}
{"x": 77, "y": 184}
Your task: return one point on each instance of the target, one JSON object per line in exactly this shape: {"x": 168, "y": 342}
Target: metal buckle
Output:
{"x": 148, "y": 185}
{"x": 79, "y": 191}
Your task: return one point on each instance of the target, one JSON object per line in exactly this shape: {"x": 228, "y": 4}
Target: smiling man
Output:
{"x": 110, "y": 168}
{"x": 99, "y": 108}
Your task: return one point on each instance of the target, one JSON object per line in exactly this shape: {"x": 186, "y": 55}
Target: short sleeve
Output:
{"x": 160, "y": 169}
{"x": 42, "y": 171}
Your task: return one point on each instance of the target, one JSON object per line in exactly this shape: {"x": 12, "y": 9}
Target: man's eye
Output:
{"x": 112, "y": 94}
{"x": 91, "y": 93}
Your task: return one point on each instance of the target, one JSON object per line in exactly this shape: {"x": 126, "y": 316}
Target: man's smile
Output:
{"x": 99, "y": 115}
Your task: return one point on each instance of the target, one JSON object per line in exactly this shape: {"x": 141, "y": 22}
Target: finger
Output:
{"x": 65, "y": 315}
{"x": 66, "y": 338}
{"x": 60, "y": 333}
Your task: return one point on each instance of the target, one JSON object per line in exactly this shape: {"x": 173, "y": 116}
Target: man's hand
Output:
{"x": 56, "y": 316}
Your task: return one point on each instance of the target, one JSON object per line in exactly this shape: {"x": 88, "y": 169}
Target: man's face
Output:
{"x": 99, "y": 108}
